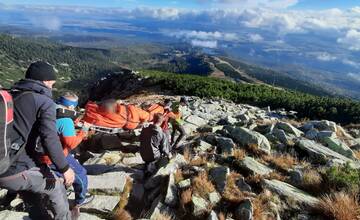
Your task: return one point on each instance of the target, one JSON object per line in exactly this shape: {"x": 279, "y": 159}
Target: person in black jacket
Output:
{"x": 34, "y": 119}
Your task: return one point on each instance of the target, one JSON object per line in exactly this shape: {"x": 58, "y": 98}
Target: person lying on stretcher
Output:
{"x": 114, "y": 114}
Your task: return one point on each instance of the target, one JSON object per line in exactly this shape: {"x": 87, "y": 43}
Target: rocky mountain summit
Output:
{"x": 238, "y": 162}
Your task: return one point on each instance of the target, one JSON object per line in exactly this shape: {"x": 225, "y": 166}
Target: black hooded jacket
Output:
{"x": 34, "y": 117}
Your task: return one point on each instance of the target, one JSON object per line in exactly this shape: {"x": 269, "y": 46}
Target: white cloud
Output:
{"x": 354, "y": 76}
{"x": 204, "y": 43}
{"x": 325, "y": 57}
{"x": 201, "y": 35}
{"x": 255, "y": 38}
{"x": 351, "y": 40}
{"x": 350, "y": 63}
{"x": 50, "y": 23}
{"x": 250, "y": 3}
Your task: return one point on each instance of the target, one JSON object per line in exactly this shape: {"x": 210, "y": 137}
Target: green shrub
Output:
{"x": 343, "y": 178}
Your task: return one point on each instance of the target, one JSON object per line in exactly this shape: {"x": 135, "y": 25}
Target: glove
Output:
{"x": 49, "y": 177}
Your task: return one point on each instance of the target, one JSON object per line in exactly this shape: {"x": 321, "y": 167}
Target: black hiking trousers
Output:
{"x": 176, "y": 127}
{"x": 31, "y": 184}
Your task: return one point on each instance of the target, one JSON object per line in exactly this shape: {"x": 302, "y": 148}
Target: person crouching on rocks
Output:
{"x": 154, "y": 145}
{"x": 70, "y": 139}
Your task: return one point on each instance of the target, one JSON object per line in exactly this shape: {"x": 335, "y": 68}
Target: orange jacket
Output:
{"x": 126, "y": 116}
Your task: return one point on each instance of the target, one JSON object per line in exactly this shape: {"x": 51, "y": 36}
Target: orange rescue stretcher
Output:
{"x": 125, "y": 117}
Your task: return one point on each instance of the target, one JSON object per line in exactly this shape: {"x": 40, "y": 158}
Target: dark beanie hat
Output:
{"x": 41, "y": 71}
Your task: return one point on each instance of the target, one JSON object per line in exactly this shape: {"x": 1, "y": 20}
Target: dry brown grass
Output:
{"x": 261, "y": 205}
{"x": 254, "y": 179}
{"x": 178, "y": 176}
{"x": 357, "y": 154}
{"x": 202, "y": 185}
{"x": 275, "y": 176}
{"x": 339, "y": 206}
{"x": 239, "y": 154}
{"x": 122, "y": 214}
{"x": 185, "y": 197}
{"x": 124, "y": 196}
{"x": 282, "y": 162}
{"x": 198, "y": 161}
{"x": 312, "y": 181}
{"x": 254, "y": 149}
{"x": 232, "y": 192}
{"x": 163, "y": 216}
{"x": 187, "y": 154}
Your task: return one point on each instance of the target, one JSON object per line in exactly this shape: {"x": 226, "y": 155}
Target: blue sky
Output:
{"x": 302, "y": 4}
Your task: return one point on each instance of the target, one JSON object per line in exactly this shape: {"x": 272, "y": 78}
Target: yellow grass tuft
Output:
{"x": 202, "y": 185}
{"x": 312, "y": 181}
{"x": 185, "y": 197}
{"x": 232, "y": 192}
{"x": 198, "y": 161}
{"x": 187, "y": 154}
{"x": 239, "y": 154}
{"x": 339, "y": 206}
{"x": 283, "y": 162}
{"x": 178, "y": 176}
{"x": 122, "y": 214}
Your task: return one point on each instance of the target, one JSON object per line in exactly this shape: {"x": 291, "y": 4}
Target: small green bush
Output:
{"x": 343, "y": 178}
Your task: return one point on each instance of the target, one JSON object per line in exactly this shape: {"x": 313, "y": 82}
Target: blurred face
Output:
{"x": 50, "y": 84}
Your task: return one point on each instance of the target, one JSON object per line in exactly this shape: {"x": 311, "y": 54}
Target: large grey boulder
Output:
{"x": 225, "y": 144}
{"x": 171, "y": 167}
{"x": 204, "y": 146}
{"x": 319, "y": 152}
{"x": 340, "y": 147}
{"x": 11, "y": 215}
{"x": 219, "y": 175}
{"x": 196, "y": 120}
{"x": 290, "y": 192}
{"x": 247, "y": 137}
{"x": 254, "y": 167}
{"x": 283, "y": 137}
{"x": 201, "y": 206}
{"x": 133, "y": 161}
{"x": 108, "y": 182}
{"x": 243, "y": 186}
{"x": 288, "y": 128}
{"x": 171, "y": 198}
{"x": 101, "y": 204}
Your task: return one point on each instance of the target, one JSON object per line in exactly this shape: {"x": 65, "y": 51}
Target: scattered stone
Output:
{"x": 312, "y": 134}
{"x": 171, "y": 198}
{"x": 296, "y": 176}
{"x": 340, "y": 147}
{"x": 247, "y": 137}
{"x": 319, "y": 152}
{"x": 214, "y": 198}
{"x": 200, "y": 206}
{"x": 85, "y": 216}
{"x": 16, "y": 202}
{"x": 107, "y": 158}
{"x": 173, "y": 164}
{"x": 289, "y": 129}
{"x": 11, "y": 215}
{"x": 325, "y": 134}
{"x": 245, "y": 210}
{"x": 226, "y": 145}
{"x": 158, "y": 208}
{"x": 290, "y": 192}
{"x": 101, "y": 204}
{"x": 108, "y": 182}
{"x": 196, "y": 120}
{"x": 254, "y": 167}
{"x": 282, "y": 136}
{"x": 204, "y": 146}
{"x": 219, "y": 176}
{"x": 184, "y": 184}
{"x": 243, "y": 186}
{"x": 133, "y": 161}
